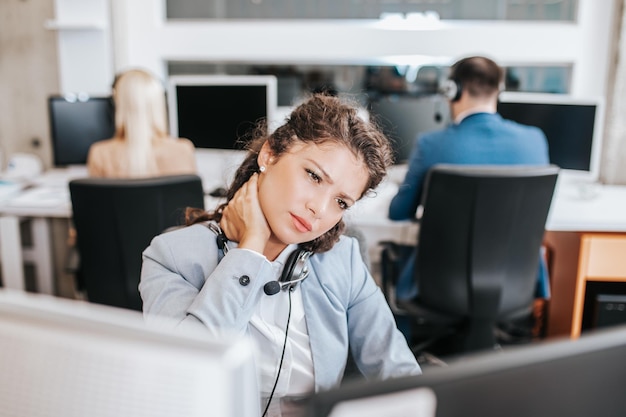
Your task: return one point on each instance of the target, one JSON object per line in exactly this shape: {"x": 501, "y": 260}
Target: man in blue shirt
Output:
{"x": 478, "y": 135}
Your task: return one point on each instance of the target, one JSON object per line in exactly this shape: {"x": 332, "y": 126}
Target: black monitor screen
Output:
{"x": 569, "y": 129}
{"x": 218, "y": 114}
{"x": 76, "y": 124}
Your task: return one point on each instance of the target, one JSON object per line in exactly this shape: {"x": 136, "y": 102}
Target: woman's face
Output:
{"x": 305, "y": 192}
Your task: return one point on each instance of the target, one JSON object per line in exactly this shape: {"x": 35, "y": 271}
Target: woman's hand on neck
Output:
{"x": 243, "y": 220}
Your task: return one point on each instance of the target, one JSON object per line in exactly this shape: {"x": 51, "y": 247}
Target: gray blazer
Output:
{"x": 182, "y": 279}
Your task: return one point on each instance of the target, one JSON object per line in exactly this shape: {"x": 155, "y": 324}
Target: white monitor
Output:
{"x": 573, "y": 127}
{"x": 71, "y": 358}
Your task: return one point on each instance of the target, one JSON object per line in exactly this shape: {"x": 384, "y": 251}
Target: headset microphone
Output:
{"x": 274, "y": 287}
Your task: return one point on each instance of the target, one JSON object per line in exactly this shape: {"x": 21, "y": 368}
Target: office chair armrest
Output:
{"x": 393, "y": 256}
{"x": 426, "y": 316}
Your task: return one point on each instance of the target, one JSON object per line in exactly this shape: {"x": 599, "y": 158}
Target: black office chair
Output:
{"x": 115, "y": 220}
{"x": 477, "y": 257}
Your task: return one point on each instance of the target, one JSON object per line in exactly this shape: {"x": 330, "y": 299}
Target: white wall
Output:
{"x": 614, "y": 149}
{"x": 85, "y": 45}
{"x": 142, "y": 37}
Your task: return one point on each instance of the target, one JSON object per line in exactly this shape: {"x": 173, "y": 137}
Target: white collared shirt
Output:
{"x": 267, "y": 329}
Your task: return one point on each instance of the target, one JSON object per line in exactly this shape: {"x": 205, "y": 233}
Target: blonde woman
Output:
{"x": 141, "y": 146}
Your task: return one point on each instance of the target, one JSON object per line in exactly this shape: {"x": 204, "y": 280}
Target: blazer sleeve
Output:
{"x": 404, "y": 204}
{"x": 182, "y": 280}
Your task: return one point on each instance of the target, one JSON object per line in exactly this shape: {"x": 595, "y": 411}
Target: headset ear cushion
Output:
{"x": 285, "y": 276}
{"x": 451, "y": 90}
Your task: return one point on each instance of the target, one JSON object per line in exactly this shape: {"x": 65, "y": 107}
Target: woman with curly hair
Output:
{"x": 272, "y": 263}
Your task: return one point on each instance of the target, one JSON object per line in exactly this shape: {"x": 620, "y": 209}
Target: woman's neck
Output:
{"x": 273, "y": 248}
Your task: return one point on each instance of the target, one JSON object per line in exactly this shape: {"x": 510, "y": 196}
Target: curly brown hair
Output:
{"x": 319, "y": 119}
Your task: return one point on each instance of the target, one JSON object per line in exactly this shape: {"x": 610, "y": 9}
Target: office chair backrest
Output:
{"x": 115, "y": 220}
{"x": 480, "y": 236}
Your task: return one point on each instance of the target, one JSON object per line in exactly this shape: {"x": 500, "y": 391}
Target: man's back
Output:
{"x": 480, "y": 138}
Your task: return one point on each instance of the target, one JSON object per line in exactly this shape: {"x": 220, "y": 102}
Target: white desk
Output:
{"x": 45, "y": 198}
{"x": 587, "y": 207}
{"x": 369, "y": 216}
{"x": 575, "y": 208}
{"x": 49, "y": 198}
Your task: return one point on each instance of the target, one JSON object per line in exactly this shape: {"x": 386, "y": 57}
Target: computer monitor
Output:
{"x": 75, "y": 124}
{"x": 574, "y": 378}
{"x": 71, "y": 358}
{"x": 573, "y": 127}
{"x": 402, "y": 118}
{"x": 216, "y": 111}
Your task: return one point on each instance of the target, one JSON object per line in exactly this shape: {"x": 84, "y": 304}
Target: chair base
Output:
{"x": 446, "y": 342}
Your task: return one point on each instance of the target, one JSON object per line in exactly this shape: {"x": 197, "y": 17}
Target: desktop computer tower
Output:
{"x": 610, "y": 310}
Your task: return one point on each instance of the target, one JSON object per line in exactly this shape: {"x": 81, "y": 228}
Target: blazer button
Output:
{"x": 244, "y": 280}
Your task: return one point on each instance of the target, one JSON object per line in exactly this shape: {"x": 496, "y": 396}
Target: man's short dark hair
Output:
{"x": 479, "y": 76}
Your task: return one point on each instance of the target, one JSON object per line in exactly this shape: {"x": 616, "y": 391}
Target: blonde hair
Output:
{"x": 140, "y": 118}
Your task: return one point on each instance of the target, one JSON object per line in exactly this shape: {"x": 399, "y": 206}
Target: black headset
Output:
{"x": 471, "y": 69}
{"x": 451, "y": 89}
{"x": 295, "y": 270}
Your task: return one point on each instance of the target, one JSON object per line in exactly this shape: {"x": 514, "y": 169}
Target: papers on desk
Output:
{"x": 41, "y": 197}
{"x": 60, "y": 177}
{"x": 9, "y": 189}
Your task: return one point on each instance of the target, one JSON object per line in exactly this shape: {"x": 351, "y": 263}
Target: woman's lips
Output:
{"x": 301, "y": 224}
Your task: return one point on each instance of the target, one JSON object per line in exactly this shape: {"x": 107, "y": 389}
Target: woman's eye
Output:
{"x": 314, "y": 176}
{"x": 342, "y": 204}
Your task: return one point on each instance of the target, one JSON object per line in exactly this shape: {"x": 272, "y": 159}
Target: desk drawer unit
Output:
{"x": 602, "y": 259}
